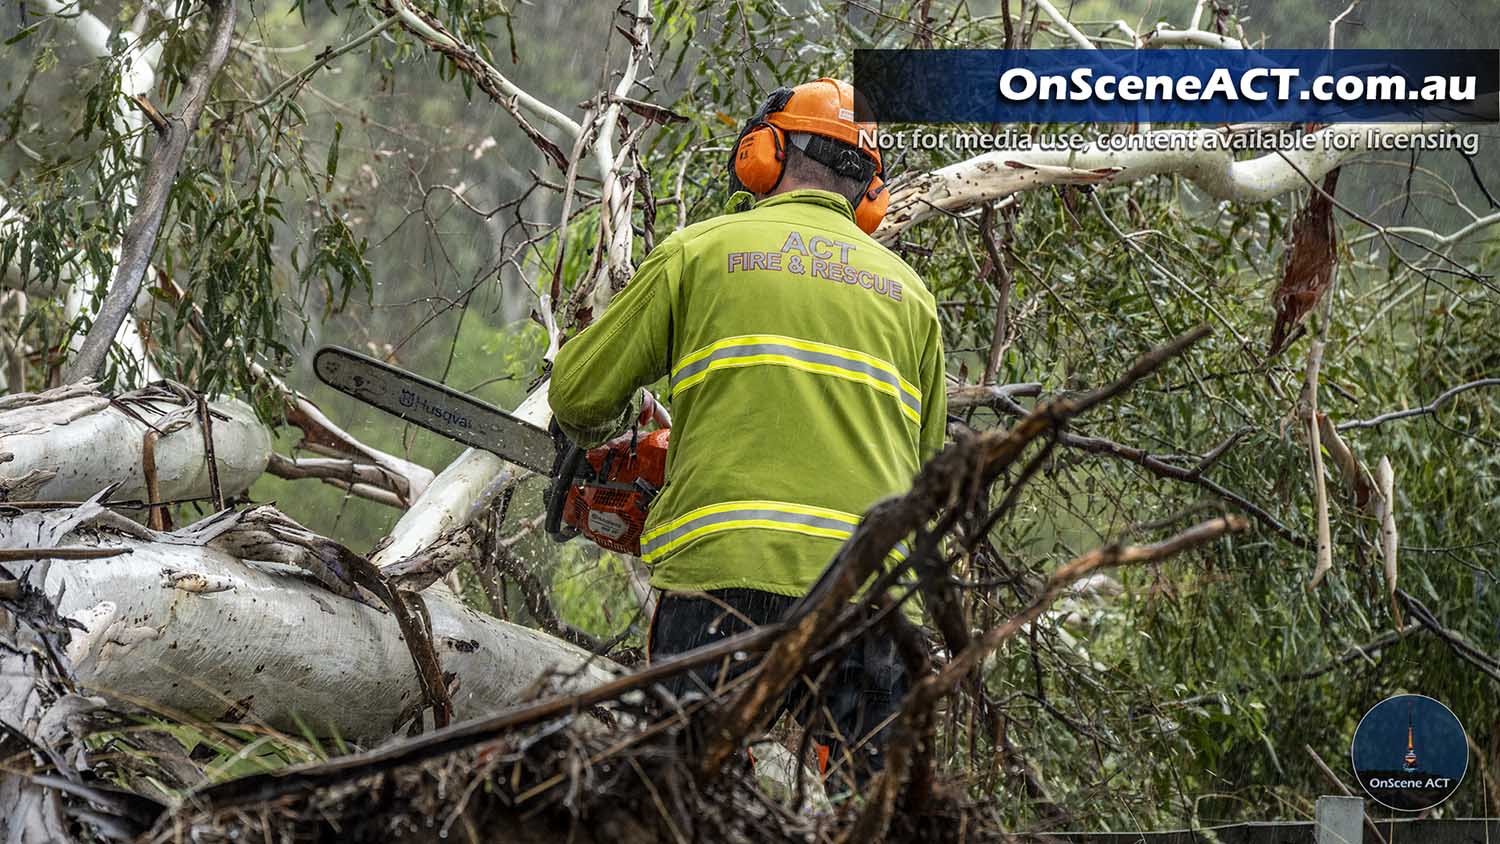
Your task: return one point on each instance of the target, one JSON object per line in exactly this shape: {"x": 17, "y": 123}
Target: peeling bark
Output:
{"x": 183, "y": 624}
{"x": 67, "y": 444}
{"x": 36, "y": 708}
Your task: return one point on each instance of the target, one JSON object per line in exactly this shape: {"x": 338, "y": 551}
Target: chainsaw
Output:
{"x": 602, "y": 493}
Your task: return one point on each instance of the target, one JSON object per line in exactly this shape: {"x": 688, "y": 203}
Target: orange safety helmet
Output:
{"x": 823, "y": 109}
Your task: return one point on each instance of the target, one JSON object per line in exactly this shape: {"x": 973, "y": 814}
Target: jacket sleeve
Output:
{"x": 597, "y": 374}
{"x": 934, "y": 394}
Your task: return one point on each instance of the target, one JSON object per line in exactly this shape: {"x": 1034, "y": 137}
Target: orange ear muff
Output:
{"x": 760, "y": 158}
{"x": 873, "y": 205}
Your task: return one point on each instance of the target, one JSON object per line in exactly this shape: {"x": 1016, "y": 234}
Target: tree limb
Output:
{"x": 1431, "y": 407}
{"x": 146, "y": 219}
{"x": 1196, "y": 154}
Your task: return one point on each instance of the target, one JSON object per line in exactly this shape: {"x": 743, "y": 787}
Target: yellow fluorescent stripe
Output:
{"x": 809, "y": 530}
{"x": 805, "y": 345}
{"x": 781, "y": 360}
{"x": 782, "y": 506}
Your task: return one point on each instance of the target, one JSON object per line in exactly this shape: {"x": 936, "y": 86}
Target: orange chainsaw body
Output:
{"x": 612, "y": 489}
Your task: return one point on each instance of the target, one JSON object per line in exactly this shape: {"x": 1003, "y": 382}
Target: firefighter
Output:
{"x": 806, "y": 375}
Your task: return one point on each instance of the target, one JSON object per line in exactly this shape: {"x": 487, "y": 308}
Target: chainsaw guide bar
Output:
{"x": 438, "y": 408}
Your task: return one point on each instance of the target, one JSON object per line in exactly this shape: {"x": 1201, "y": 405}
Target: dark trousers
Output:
{"x": 848, "y": 709}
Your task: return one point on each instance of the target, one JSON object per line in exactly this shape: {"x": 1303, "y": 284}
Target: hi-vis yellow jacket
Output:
{"x": 806, "y": 367}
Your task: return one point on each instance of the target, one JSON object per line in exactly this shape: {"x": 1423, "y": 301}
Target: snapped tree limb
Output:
{"x": 1198, "y": 156}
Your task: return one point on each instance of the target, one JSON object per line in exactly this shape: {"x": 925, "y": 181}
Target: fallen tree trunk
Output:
{"x": 69, "y": 443}
{"x": 226, "y": 599}
{"x": 182, "y": 624}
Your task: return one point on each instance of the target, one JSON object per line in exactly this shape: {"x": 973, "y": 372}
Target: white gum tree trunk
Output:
{"x": 219, "y": 622}
{"x": 198, "y": 631}
{"x": 69, "y": 443}
{"x": 214, "y": 623}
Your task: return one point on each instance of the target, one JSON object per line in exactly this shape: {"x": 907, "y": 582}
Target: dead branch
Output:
{"x": 12, "y": 555}
{"x": 925, "y": 694}
{"x": 962, "y": 466}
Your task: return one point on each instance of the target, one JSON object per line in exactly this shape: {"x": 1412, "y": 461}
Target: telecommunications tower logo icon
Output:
{"x": 1410, "y": 753}
{"x": 1409, "y": 762}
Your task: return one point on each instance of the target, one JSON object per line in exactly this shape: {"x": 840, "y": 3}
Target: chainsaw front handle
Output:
{"x": 653, "y": 411}
{"x": 568, "y": 459}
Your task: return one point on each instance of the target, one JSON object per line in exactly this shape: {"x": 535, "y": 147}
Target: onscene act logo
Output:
{"x": 1410, "y": 752}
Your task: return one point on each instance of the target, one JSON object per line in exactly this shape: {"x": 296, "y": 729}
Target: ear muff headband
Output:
{"x": 852, "y": 163}
{"x": 839, "y": 157}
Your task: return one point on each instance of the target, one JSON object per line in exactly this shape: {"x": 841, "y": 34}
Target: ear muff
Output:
{"x": 873, "y": 205}
{"x": 760, "y": 158}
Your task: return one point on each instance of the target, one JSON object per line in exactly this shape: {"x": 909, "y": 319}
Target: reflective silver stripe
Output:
{"x": 798, "y": 519}
{"x": 836, "y": 361}
{"x": 650, "y": 547}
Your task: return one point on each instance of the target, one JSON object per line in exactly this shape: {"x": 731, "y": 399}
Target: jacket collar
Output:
{"x": 826, "y": 199}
